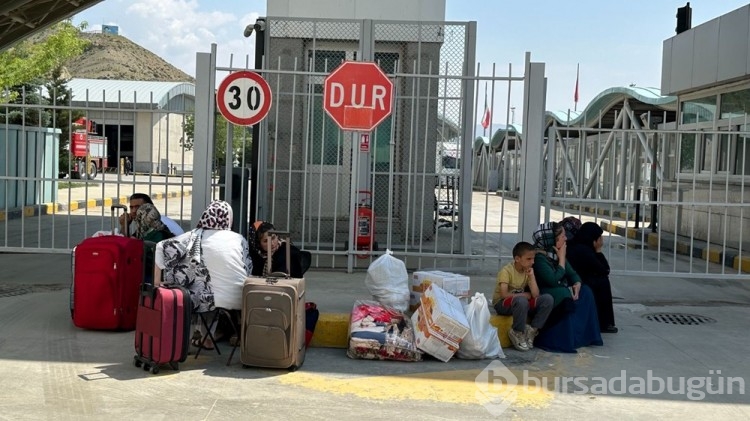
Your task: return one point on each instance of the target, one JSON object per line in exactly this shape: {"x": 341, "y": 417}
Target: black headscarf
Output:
{"x": 587, "y": 234}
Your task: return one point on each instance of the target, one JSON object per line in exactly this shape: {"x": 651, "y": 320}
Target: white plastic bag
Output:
{"x": 482, "y": 341}
{"x": 388, "y": 281}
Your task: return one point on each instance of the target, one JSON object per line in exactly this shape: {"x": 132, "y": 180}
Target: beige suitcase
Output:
{"x": 273, "y": 321}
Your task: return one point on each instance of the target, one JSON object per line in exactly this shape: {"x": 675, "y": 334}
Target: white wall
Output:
{"x": 712, "y": 53}
{"x": 403, "y": 10}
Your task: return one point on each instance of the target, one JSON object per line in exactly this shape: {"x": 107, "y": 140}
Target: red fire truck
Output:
{"x": 89, "y": 149}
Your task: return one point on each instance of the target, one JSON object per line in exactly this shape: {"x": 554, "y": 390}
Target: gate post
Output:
{"x": 530, "y": 195}
{"x": 203, "y": 137}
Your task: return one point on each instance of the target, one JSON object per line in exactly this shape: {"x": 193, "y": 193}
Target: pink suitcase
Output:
{"x": 162, "y": 333}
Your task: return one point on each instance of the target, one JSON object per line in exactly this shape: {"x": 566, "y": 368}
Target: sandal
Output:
{"x": 197, "y": 343}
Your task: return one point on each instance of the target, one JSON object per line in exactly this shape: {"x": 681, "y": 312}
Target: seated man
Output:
{"x": 128, "y": 219}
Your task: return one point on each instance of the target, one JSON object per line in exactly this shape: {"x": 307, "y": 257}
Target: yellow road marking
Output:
{"x": 456, "y": 386}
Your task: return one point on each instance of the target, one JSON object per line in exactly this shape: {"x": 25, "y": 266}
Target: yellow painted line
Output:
{"x": 612, "y": 228}
{"x": 683, "y": 248}
{"x": 91, "y": 203}
{"x": 28, "y": 211}
{"x": 742, "y": 263}
{"x": 503, "y": 325}
{"x": 2, "y": 215}
{"x": 456, "y": 386}
{"x": 653, "y": 240}
{"x": 108, "y": 202}
{"x": 631, "y": 233}
{"x": 331, "y": 331}
{"x": 710, "y": 255}
{"x": 50, "y": 208}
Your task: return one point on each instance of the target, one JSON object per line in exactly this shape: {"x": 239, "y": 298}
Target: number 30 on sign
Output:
{"x": 244, "y": 98}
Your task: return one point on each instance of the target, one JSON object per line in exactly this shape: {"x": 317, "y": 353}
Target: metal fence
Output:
{"x": 46, "y": 206}
{"x": 672, "y": 201}
{"x": 417, "y": 174}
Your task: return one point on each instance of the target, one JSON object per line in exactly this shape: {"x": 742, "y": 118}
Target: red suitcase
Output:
{"x": 162, "y": 333}
{"x": 107, "y": 274}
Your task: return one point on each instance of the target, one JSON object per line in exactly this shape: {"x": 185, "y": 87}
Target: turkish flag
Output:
{"x": 575, "y": 94}
{"x": 487, "y": 117}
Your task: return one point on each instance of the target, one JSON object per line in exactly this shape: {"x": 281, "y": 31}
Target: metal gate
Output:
{"x": 48, "y": 207}
{"x": 672, "y": 201}
{"x": 418, "y": 170}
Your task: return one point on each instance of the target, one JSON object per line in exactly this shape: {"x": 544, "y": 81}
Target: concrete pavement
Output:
{"x": 52, "y": 370}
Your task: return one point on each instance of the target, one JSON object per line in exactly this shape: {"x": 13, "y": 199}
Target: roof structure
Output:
{"x": 603, "y": 107}
{"x": 142, "y": 94}
{"x": 600, "y": 112}
{"x": 22, "y": 18}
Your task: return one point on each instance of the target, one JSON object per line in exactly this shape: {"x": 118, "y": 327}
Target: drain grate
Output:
{"x": 678, "y": 318}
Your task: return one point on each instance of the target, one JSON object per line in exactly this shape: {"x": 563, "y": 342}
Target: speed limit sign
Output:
{"x": 244, "y": 98}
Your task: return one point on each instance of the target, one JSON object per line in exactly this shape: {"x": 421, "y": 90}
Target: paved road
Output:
{"x": 52, "y": 370}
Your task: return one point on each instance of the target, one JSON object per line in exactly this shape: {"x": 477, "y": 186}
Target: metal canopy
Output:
{"x": 22, "y": 18}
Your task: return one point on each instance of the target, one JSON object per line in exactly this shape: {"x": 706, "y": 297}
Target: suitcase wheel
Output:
{"x": 154, "y": 369}
{"x": 137, "y": 362}
{"x": 293, "y": 368}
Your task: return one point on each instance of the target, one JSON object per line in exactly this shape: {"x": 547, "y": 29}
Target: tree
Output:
{"x": 37, "y": 58}
{"x": 59, "y": 95}
{"x": 220, "y": 139}
{"x": 27, "y": 93}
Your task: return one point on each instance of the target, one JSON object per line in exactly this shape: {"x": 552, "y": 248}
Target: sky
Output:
{"x": 614, "y": 43}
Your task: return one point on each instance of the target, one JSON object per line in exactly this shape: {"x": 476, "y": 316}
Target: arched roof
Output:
{"x": 145, "y": 94}
{"x": 641, "y": 100}
{"x": 513, "y": 130}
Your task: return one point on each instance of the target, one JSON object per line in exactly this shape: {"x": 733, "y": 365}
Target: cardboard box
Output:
{"x": 453, "y": 283}
{"x": 430, "y": 343}
{"x": 444, "y": 314}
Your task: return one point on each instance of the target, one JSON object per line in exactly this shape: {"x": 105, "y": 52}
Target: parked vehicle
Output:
{"x": 89, "y": 149}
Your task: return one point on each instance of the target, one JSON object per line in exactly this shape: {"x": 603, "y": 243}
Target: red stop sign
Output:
{"x": 358, "y": 95}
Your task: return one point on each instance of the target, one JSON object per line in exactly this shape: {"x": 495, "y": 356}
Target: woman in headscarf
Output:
{"x": 211, "y": 261}
{"x": 586, "y": 257}
{"x": 260, "y": 235}
{"x": 571, "y": 224}
{"x": 573, "y": 322}
{"x": 149, "y": 225}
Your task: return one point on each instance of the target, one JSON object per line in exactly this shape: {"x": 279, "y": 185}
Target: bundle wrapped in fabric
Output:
{"x": 380, "y": 332}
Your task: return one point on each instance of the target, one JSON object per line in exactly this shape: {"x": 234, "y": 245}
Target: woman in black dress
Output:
{"x": 586, "y": 257}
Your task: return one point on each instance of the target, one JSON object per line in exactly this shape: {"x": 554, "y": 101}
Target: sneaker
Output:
{"x": 518, "y": 340}
{"x": 531, "y": 333}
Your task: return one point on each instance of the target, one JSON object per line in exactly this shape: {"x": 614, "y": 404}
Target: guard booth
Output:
{"x": 314, "y": 168}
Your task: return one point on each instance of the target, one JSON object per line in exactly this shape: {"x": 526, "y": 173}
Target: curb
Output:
{"x": 629, "y": 216}
{"x": 332, "y": 330}
{"x": 54, "y": 208}
{"x": 710, "y": 252}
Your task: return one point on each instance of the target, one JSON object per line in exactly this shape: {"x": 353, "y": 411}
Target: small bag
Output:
{"x": 311, "y": 319}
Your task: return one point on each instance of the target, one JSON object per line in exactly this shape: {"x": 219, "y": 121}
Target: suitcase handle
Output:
{"x": 116, "y": 223}
{"x": 148, "y": 290}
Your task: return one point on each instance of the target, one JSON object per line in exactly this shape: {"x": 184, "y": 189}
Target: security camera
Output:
{"x": 258, "y": 26}
{"x": 248, "y": 31}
